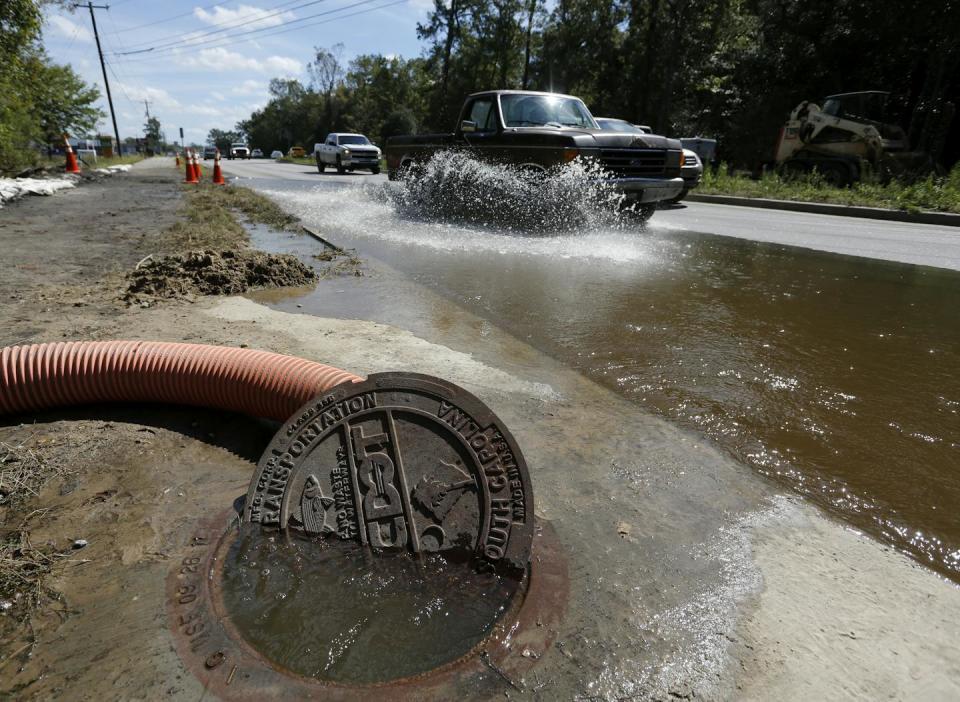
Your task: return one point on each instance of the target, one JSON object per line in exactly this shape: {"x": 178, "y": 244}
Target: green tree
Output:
{"x": 153, "y": 135}
{"x": 376, "y": 87}
{"x": 401, "y": 121}
{"x": 39, "y": 100}
{"x": 222, "y": 139}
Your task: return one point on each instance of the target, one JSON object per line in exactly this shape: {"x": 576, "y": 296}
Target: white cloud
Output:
{"x": 158, "y": 97}
{"x": 245, "y": 16}
{"x": 249, "y": 87}
{"x": 217, "y": 95}
{"x": 67, "y": 28}
{"x": 205, "y": 110}
{"x": 220, "y": 59}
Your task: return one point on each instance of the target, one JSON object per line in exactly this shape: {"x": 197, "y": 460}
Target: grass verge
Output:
{"x": 302, "y": 160}
{"x": 941, "y": 194}
{"x": 209, "y": 222}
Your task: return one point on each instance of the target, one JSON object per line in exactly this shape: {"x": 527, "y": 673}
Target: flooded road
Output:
{"x": 833, "y": 375}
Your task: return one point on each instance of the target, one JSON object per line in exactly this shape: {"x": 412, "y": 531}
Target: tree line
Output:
{"x": 39, "y": 100}
{"x": 726, "y": 69}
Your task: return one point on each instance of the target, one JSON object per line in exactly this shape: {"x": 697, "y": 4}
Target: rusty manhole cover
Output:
{"x": 399, "y": 461}
{"x": 386, "y": 541}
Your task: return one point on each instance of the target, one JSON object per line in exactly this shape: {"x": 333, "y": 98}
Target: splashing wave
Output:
{"x": 453, "y": 187}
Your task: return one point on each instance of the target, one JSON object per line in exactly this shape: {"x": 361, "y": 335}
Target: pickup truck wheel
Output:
{"x": 375, "y": 171}
{"x": 643, "y": 213}
{"x": 321, "y": 166}
{"x": 340, "y": 169}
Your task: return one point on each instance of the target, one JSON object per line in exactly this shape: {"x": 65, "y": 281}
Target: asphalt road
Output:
{"x": 921, "y": 244}
{"x": 267, "y": 168}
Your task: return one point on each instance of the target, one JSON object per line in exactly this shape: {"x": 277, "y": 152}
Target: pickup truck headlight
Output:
{"x": 346, "y": 152}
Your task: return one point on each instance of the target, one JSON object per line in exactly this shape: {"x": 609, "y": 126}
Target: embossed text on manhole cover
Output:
{"x": 400, "y": 461}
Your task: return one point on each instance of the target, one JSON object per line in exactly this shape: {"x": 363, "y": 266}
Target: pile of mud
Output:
{"x": 213, "y": 273}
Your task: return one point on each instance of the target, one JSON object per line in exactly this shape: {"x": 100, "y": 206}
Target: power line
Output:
{"x": 274, "y": 31}
{"x": 118, "y": 65}
{"x": 173, "y": 17}
{"x": 229, "y": 26}
{"x": 120, "y": 84}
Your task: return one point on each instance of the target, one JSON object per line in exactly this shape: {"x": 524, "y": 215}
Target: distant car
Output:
{"x": 691, "y": 171}
{"x": 209, "y": 152}
{"x": 256, "y": 153}
{"x": 706, "y": 149}
{"x": 347, "y": 152}
{"x": 276, "y": 153}
{"x": 239, "y": 150}
{"x": 296, "y": 152}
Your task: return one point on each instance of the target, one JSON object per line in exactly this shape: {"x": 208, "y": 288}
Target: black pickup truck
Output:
{"x": 538, "y": 131}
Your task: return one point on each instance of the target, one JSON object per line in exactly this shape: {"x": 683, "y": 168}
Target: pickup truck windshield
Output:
{"x": 353, "y": 140}
{"x": 545, "y": 111}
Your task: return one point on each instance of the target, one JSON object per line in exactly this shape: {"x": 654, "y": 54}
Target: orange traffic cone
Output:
{"x": 217, "y": 173}
{"x": 189, "y": 175}
{"x": 178, "y": 159}
{"x": 197, "y": 173}
{"x": 72, "y": 165}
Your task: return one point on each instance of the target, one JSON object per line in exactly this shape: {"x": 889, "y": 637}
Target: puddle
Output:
{"x": 337, "y": 612}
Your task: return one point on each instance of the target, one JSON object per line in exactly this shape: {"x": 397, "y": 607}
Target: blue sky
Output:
{"x": 211, "y": 63}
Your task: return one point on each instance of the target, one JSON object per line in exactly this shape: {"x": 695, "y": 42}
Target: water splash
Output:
{"x": 453, "y": 187}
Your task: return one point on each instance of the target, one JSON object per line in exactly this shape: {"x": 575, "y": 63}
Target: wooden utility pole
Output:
{"x": 103, "y": 67}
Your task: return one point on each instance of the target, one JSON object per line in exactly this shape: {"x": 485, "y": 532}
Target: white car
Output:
{"x": 276, "y": 153}
{"x": 239, "y": 150}
{"x": 691, "y": 172}
{"x": 347, "y": 152}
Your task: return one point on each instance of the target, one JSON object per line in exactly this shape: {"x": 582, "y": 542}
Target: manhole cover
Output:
{"x": 385, "y": 540}
{"x": 399, "y": 462}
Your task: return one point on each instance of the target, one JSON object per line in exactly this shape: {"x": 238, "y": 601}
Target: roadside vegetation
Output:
{"x": 107, "y": 161}
{"x": 302, "y": 160}
{"x": 209, "y": 220}
{"x": 56, "y": 162}
{"x": 39, "y": 100}
{"x": 933, "y": 193}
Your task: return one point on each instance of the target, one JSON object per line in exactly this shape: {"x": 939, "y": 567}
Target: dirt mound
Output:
{"x": 213, "y": 273}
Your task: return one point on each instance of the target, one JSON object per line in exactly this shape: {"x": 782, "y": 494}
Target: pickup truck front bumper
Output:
{"x": 360, "y": 160}
{"x": 644, "y": 190}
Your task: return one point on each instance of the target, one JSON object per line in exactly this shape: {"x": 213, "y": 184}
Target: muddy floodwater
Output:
{"x": 379, "y": 618}
{"x": 835, "y": 376}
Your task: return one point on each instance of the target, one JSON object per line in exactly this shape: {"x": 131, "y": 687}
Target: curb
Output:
{"x": 326, "y": 242}
{"x": 940, "y": 218}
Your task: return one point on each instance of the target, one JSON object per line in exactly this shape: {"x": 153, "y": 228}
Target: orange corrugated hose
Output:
{"x": 258, "y": 383}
